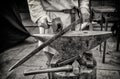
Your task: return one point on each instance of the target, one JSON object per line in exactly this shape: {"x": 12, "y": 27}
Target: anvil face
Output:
{"x": 75, "y": 43}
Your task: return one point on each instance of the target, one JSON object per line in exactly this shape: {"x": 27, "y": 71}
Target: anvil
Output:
{"x": 74, "y": 43}
{"x": 73, "y": 40}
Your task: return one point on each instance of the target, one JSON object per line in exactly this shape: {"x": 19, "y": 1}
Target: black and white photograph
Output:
{"x": 60, "y": 39}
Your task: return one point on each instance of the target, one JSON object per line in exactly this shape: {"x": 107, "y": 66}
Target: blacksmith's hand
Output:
{"x": 84, "y": 25}
{"x": 85, "y": 21}
{"x": 44, "y": 22}
{"x": 85, "y": 17}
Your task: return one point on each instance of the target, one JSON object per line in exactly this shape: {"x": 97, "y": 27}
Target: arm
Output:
{"x": 84, "y": 8}
{"x": 36, "y": 10}
{"x": 38, "y": 14}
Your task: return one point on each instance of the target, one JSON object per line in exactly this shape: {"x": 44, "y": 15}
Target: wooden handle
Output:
{"x": 56, "y": 69}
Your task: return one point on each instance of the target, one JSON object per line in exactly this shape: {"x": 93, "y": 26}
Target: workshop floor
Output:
{"x": 109, "y": 70}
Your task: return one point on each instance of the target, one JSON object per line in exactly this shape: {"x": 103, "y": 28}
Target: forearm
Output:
{"x": 84, "y": 7}
{"x": 85, "y": 12}
{"x": 36, "y": 10}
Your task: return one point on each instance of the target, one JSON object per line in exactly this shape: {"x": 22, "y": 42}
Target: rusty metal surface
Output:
{"x": 76, "y": 42}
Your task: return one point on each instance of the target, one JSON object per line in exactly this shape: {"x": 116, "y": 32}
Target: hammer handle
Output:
{"x": 56, "y": 69}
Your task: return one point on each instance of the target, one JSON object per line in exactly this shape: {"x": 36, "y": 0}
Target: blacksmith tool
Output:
{"x": 59, "y": 34}
{"x": 67, "y": 68}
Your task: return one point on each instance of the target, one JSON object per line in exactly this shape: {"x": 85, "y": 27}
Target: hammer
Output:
{"x": 56, "y": 25}
{"x": 67, "y": 68}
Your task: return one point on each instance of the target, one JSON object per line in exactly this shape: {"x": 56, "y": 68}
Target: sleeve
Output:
{"x": 84, "y": 7}
{"x": 36, "y": 10}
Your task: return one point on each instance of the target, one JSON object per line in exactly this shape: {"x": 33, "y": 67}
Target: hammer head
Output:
{"x": 57, "y": 25}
